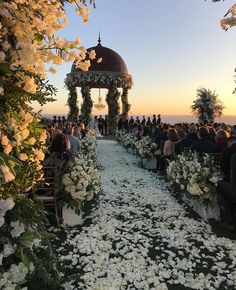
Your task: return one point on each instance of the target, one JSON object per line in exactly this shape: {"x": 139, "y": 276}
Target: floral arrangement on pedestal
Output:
{"x": 146, "y": 148}
{"x": 195, "y": 174}
{"x": 81, "y": 183}
{"x": 120, "y": 135}
{"x": 207, "y": 106}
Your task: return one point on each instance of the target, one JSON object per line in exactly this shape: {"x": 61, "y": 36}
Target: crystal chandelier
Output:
{"x": 99, "y": 106}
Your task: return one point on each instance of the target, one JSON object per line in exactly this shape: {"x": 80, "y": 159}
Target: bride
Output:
{"x": 93, "y": 124}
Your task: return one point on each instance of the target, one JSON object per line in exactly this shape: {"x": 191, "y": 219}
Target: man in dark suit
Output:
{"x": 101, "y": 124}
{"x": 203, "y": 145}
{"x": 105, "y": 125}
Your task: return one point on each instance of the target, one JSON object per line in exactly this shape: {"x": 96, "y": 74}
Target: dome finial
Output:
{"x": 99, "y": 38}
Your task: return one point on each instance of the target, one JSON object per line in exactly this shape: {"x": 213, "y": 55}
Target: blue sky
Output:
{"x": 170, "y": 47}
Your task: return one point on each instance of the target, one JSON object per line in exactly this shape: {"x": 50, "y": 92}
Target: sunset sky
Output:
{"x": 170, "y": 47}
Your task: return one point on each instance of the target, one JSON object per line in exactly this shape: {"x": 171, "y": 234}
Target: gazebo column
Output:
{"x": 113, "y": 109}
{"x": 72, "y": 103}
{"x": 125, "y": 104}
{"x": 86, "y": 109}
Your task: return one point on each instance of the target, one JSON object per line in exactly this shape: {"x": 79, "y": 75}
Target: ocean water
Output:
{"x": 172, "y": 119}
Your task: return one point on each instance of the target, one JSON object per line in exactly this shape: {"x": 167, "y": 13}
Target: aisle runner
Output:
{"x": 140, "y": 237}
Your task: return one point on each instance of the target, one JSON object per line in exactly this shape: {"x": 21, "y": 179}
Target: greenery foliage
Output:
{"x": 207, "y": 106}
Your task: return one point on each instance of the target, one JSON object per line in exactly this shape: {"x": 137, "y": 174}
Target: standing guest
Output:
{"x": 75, "y": 143}
{"x": 54, "y": 120}
{"x": 169, "y": 146}
{"x": 148, "y": 124}
{"x": 137, "y": 120}
{"x": 221, "y": 140}
{"x": 101, "y": 124}
{"x": 143, "y": 122}
{"x": 119, "y": 125}
{"x": 125, "y": 123}
{"x": 131, "y": 121}
{"x": 203, "y": 145}
{"x": 63, "y": 119}
{"x": 154, "y": 120}
{"x": 158, "y": 119}
{"x": 105, "y": 124}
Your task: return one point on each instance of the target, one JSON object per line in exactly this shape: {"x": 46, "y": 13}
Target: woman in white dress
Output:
{"x": 93, "y": 124}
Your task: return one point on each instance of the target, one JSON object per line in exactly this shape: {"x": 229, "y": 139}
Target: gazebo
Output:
{"x": 110, "y": 73}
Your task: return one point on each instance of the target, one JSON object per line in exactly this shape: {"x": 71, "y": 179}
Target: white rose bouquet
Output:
{"x": 146, "y": 148}
{"x": 81, "y": 183}
{"x": 196, "y": 174}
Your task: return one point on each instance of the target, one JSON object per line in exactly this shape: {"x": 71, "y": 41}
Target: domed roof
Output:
{"x": 111, "y": 61}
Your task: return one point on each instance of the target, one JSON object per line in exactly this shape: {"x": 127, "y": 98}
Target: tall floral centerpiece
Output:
{"x": 29, "y": 39}
{"x": 207, "y": 106}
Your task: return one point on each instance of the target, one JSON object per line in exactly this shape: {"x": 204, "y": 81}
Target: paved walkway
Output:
{"x": 141, "y": 238}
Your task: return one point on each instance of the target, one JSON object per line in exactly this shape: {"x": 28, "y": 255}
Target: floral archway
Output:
{"x": 109, "y": 73}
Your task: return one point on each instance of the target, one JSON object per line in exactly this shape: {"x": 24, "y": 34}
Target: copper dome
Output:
{"x": 111, "y": 61}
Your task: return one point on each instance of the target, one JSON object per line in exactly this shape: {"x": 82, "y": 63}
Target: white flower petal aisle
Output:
{"x": 140, "y": 237}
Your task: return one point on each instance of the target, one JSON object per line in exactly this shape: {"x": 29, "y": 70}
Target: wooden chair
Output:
{"x": 45, "y": 191}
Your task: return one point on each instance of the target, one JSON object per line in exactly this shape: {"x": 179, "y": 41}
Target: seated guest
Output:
{"x": 182, "y": 143}
{"x": 162, "y": 137}
{"x": 203, "y": 145}
{"x": 211, "y": 134}
{"x": 233, "y": 132}
{"x": 82, "y": 130}
{"x": 226, "y": 155}
{"x": 192, "y": 135}
{"x": 75, "y": 143}
{"x": 59, "y": 150}
{"x": 169, "y": 146}
{"x": 227, "y": 198}
{"x": 77, "y": 132}
{"x": 221, "y": 140}
{"x": 55, "y": 131}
